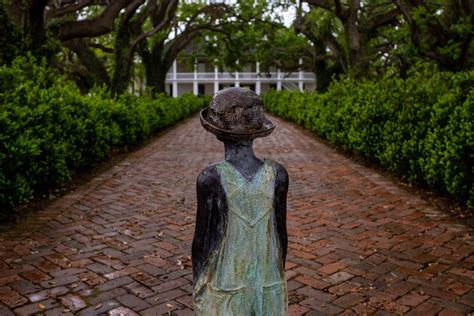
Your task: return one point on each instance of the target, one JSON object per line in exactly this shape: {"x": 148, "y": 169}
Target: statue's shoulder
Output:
{"x": 280, "y": 171}
{"x": 209, "y": 177}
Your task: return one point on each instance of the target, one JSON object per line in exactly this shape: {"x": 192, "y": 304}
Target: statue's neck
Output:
{"x": 239, "y": 151}
{"x": 241, "y": 155}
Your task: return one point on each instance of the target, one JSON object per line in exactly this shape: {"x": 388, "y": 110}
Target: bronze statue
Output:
{"x": 240, "y": 242}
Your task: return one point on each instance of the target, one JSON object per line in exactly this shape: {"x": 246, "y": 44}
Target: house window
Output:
{"x": 225, "y": 85}
{"x": 249, "y": 86}
{"x": 201, "y": 67}
{"x": 201, "y": 89}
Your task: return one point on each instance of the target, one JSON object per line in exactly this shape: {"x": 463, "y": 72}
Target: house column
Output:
{"x": 175, "y": 82}
{"x": 300, "y": 76}
{"x": 237, "y": 82}
{"x": 216, "y": 78}
{"x": 278, "y": 80}
{"x": 258, "y": 87}
{"x": 195, "y": 80}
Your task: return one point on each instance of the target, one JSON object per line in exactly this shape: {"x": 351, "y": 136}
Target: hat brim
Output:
{"x": 265, "y": 130}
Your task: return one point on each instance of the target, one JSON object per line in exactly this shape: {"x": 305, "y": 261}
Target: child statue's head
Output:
{"x": 236, "y": 114}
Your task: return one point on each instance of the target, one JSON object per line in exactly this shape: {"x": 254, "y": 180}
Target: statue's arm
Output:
{"x": 281, "y": 190}
{"x": 210, "y": 217}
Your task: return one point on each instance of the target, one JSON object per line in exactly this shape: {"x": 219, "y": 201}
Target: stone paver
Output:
{"x": 120, "y": 244}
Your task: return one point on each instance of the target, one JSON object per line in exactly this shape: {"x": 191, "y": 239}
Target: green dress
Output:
{"x": 244, "y": 275}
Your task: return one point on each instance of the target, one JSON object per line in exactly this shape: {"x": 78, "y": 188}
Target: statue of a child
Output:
{"x": 240, "y": 241}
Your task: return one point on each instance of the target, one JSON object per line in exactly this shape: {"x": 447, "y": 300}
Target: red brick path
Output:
{"x": 121, "y": 243}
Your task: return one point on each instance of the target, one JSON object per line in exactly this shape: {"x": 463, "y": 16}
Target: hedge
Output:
{"x": 421, "y": 127}
{"x": 48, "y": 130}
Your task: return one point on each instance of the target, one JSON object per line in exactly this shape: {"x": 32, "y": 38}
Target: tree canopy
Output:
{"x": 110, "y": 42}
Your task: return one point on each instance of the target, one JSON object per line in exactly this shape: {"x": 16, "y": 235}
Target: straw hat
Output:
{"x": 236, "y": 114}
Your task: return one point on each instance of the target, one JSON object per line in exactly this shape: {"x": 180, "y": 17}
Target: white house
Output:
{"x": 207, "y": 79}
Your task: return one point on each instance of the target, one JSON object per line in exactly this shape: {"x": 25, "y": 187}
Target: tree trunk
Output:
{"x": 320, "y": 66}
{"x": 356, "y": 49}
{"x": 324, "y": 74}
{"x": 323, "y": 78}
{"x": 160, "y": 85}
{"x": 121, "y": 74}
{"x": 28, "y": 18}
{"x": 95, "y": 68}
{"x": 122, "y": 65}
{"x": 155, "y": 67}
{"x": 156, "y": 77}
{"x": 10, "y": 39}
{"x": 359, "y": 63}
{"x": 35, "y": 28}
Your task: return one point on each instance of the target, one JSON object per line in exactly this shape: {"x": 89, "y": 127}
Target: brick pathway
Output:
{"x": 121, "y": 243}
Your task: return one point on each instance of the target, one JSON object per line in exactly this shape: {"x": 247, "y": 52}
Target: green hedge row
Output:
{"x": 48, "y": 130}
{"x": 421, "y": 128}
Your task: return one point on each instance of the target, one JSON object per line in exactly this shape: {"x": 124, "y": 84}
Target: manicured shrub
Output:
{"x": 421, "y": 128}
{"x": 48, "y": 130}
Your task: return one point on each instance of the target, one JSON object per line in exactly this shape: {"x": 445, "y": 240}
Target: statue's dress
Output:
{"x": 244, "y": 275}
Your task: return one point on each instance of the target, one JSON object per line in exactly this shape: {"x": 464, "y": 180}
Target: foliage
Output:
{"x": 282, "y": 48}
{"x": 441, "y": 31}
{"x": 118, "y": 43}
{"x": 48, "y": 130}
{"x": 254, "y": 31}
{"x": 350, "y": 31}
{"x": 421, "y": 128}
